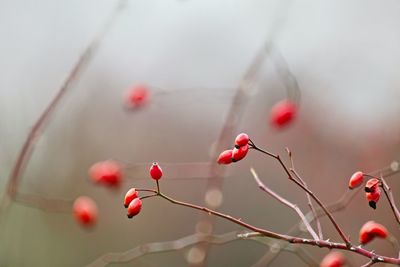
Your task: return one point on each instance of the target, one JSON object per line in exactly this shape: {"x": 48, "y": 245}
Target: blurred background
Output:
{"x": 214, "y": 69}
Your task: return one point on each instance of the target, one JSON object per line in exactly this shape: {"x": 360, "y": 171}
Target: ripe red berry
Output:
{"x": 155, "y": 171}
{"x": 239, "y": 153}
{"x": 370, "y": 230}
{"x": 373, "y": 197}
{"x": 241, "y": 140}
{"x": 129, "y": 196}
{"x": 371, "y": 185}
{"x": 106, "y": 172}
{"x": 85, "y": 211}
{"x": 283, "y": 113}
{"x": 134, "y": 207}
{"x": 333, "y": 259}
{"x": 137, "y": 96}
{"x": 225, "y": 157}
{"x": 356, "y": 180}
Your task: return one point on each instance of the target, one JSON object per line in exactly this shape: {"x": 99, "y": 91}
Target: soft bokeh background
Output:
{"x": 193, "y": 54}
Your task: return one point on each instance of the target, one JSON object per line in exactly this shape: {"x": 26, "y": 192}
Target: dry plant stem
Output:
{"x": 390, "y": 198}
{"x": 370, "y": 263}
{"x": 310, "y": 205}
{"x": 284, "y": 201}
{"x": 291, "y": 239}
{"x": 29, "y": 144}
{"x": 316, "y": 199}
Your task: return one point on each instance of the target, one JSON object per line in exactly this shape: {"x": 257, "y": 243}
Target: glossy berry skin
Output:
{"x": 371, "y": 185}
{"x": 225, "y": 157}
{"x": 370, "y": 230}
{"x": 85, "y": 211}
{"x": 137, "y": 96}
{"x": 134, "y": 207}
{"x": 155, "y": 171}
{"x": 356, "y": 180}
{"x": 333, "y": 259}
{"x": 373, "y": 197}
{"x": 129, "y": 196}
{"x": 239, "y": 153}
{"x": 241, "y": 140}
{"x": 282, "y": 113}
{"x": 106, "y": 172}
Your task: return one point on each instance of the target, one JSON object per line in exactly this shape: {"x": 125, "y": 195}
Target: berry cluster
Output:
{"x": 238, "y": 152}
{"x": 372, "y": 187}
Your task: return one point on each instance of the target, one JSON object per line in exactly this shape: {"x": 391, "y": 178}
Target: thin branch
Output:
{"x": 370, "y": 263}
{"x": 310, "y": 205}
{"x": 284, "y": 201}
{"x": 316, "y": 199}
{"x": 390, "y": 198}
{"x": 35, "y": 132}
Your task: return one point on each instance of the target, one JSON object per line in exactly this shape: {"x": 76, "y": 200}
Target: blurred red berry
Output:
{"x": 129, "y": 196}
{"x": 239, "y": 153}
{"x": 283, "y": 113}
{"x": 241, "y": 140}
{"x": 155, "y": 171}
{"x": 137, "y": 96}
{"x": 225, "y": 157}
{"x": 134, "y": 207}
{"x": 370, "y": 230}
{"x": 356, "y": 180}
{"x": 85, "y": 211}
{"x": 333, "y": 259}
{"x": 371, "y": 185}
{"x": 106, "y": 172}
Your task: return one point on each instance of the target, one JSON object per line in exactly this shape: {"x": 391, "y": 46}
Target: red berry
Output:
{"x": 241, "y": 140}
{"x": 371, "y": 185}
{"x": 283, "y": 113}
{"x": 333, "y": 259}
{"x": 129, "y": 196}
{"x": 85, "y": 211}
{"x": 134, "y": 207}
{"x": 137, "y": 96}
{"x": 225, "y": 157}
{"x": 239, "y": 153}
{"x": 370, "y": 230}
{"x": 373, "y": 197}
{"x": 356, "y": 180}
{"x": 155, "y": 171}
{"x": 106, "y": 172}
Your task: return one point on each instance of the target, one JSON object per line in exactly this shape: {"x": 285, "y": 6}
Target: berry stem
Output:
{"x": 389, "y": 195}
{"x": 316, "y": 199}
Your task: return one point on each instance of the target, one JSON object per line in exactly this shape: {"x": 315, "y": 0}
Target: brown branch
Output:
{"x": 390, "y": 198}
{"x": 284, "y": 201}
{"x": 35, "y": 132}
{"x": 370, "y": 263}
{"x": 316, "y": 199}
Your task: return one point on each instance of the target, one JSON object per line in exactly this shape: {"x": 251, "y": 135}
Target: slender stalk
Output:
{"x": 316, "y": 199}
{"x": 390, "y": 198}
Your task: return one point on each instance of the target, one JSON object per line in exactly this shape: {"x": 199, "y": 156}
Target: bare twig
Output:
{"x": 390, "y": 198}
{"x": 370, "y": 263}
{"x": 284, "y": 201}
{"x": 316, "y": 199}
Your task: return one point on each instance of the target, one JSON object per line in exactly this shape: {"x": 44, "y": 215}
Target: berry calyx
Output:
{"x": 239, "y": 153}
{"x": 373, "y": 197}
{"x": 283, "y": 113}
{"x": 370, "y": 230}
{"x": 155, "y": 171}
{"x": 371, "y": 185}
{"x": 241, "y": 140}
{"x": 134, "y": 207}
{"x": 106, "y": 172}
{"x": 356, "y": 180}
{"x": 333, "y": 259}
{"x": 225, "y": 157}
{"x": 129, "y": 196}
{"x": 137, "y": 96}
{"x": 85, "y": 211}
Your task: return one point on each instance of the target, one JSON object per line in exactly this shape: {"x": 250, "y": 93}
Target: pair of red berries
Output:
{"x": 132, "y": 201}
{"x": 372, "y": 189}
{"x": 238, "y": 152}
